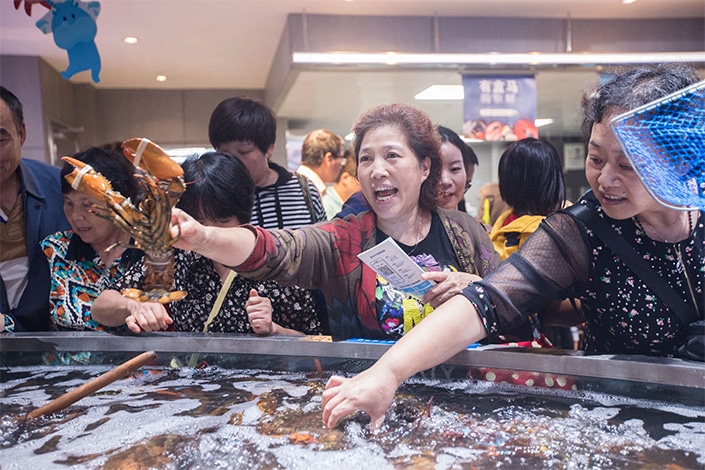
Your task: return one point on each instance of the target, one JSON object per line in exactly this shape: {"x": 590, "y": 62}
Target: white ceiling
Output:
{"x": 206, "y": 44}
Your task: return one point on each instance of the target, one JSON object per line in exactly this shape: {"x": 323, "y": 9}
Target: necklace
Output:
{"x": 638, "y": 222}
{"x": 680, "y": 267}
{"x": 687, "y": 278}
{"x": 418, "y": 235}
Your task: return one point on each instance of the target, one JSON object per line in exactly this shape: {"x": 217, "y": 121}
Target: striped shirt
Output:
{"x": 284, "y": 204}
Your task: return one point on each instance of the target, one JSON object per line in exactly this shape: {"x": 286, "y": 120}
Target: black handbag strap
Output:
{"x": 303, "y": 182}
{"x": 636, "y": 263}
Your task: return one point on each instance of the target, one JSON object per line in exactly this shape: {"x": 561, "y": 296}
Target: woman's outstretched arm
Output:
{"x": 448, "y": 330}
{"x": 229, "y": 246}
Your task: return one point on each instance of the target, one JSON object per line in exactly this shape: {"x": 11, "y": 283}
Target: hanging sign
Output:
{"x": 72, "y": 22}
{"x": 499, "y": 107}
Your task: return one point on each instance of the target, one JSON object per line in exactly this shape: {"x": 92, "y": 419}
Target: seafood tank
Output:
{"x": 236, "y": 401}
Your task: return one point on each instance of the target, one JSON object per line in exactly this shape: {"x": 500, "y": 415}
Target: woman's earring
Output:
{"x": 468, "y": 185}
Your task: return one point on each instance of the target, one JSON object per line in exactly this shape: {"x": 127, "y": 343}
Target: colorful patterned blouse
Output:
{"x": 398, "y": 313}
{"x": 78, "y": 276}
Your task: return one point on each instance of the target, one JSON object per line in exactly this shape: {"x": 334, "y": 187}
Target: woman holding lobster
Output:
{"x": 94, "y": 253}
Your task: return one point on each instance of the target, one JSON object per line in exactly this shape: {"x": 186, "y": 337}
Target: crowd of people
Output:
{"x": 267, "y": 251}
{"x": 565, "y": 257}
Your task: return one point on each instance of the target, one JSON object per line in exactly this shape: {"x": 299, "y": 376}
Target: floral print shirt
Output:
{"x": 564, "y": 258}
{"x": 291, "y": 307}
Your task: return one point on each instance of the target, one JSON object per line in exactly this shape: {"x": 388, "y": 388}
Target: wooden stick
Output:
{"x": 93, "y": 385}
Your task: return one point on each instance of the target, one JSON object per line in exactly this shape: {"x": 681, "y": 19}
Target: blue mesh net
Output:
{"x": 665, "y": 142}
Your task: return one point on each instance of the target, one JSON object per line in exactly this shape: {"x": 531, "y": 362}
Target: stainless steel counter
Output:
{"x": 640, "y": 369}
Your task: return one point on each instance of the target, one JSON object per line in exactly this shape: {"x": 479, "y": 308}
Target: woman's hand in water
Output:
{"x": 371, "y": 391}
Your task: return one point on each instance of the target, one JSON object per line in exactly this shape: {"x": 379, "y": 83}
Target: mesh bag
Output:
{"x": 665, "y": 142}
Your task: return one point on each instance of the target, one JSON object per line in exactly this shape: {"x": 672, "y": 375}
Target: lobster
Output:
{"x": 148, "y": 222}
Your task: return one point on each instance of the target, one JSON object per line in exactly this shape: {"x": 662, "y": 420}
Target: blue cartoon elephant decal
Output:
{"x": 73, "y": 24}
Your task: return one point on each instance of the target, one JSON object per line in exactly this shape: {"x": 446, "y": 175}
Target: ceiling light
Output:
{"x": 130, "y": 40}
{"x": 160, "y": 78}
{"x": 437, "y": 59}
{"x": 627, "y": 2}
{"x": 539, "y": 122}
{"x": 350, "y": 136}
{"x": 442, "y": 92}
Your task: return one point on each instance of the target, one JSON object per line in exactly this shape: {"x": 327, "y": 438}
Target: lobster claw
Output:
{"x": 88, "y": 181}
{"x": 162, "y": 296}
{"x": 161, "y": 180}
{"x": 145, "y": 154}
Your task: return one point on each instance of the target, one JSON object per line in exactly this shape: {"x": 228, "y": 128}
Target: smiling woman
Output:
{"x": 398, "y": 151}
{"x": 84, "y": 260}
{"x": 459, "y": 162}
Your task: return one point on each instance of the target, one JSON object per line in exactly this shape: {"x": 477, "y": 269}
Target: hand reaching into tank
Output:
{"x": 147, "y": 317}
{"x": 371, "y": 391}
{"x": 426, "y": 345}
{"x": 447, "y": 285}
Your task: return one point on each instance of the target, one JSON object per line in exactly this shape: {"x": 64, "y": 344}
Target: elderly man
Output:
{"x": 345, "y": 186}
{"x": 31, "y": 207}
{"x": 322, "y": 157}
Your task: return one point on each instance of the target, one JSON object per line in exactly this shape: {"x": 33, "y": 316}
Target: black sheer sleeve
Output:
{"x": 551, "y": 265}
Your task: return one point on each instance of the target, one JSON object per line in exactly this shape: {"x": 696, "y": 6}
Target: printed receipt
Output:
{"x": 389, "y": 261}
